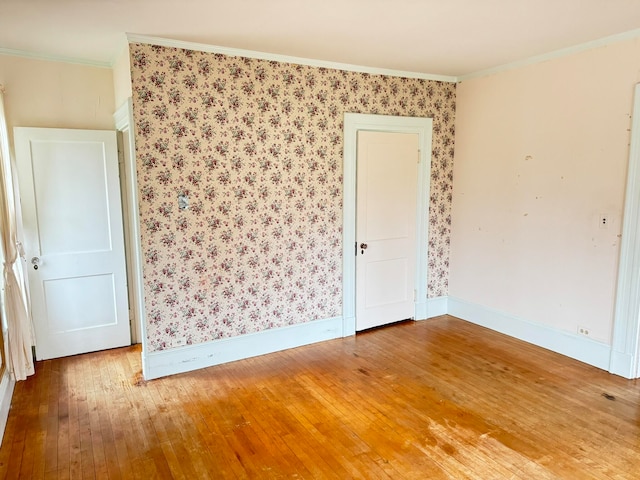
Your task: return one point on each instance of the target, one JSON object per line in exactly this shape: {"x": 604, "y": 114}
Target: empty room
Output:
{"x": 286, "y": 239}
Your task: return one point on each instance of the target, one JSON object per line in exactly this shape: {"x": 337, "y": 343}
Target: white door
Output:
{"x": 73, "y": 239}
{"x": 387, "y": 180}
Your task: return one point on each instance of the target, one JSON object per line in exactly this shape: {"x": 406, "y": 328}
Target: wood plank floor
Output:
{"x": 435, "y": 399}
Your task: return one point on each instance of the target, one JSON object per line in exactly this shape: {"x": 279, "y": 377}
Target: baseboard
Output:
{"x": 6, "y": 393}
{"x": 421, "y": 310}
{"x": 559, "y": 341}
{"x": 432, "y": 307}
{"x": 193, "y": 357}
{"x": 437, "y": 306}
{"x": 622, "y": 364}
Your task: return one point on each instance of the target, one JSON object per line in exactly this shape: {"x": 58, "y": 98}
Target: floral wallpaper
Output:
{"x": 254, "y": 148}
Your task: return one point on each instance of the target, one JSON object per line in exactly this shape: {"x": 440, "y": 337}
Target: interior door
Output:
{"x": 387, "y": 179}
{"x": 72, "y": 215}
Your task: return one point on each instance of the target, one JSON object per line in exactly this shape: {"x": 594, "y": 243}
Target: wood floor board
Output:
{"x": 101, "y": 420}
{"x": 530, "y": 415}
{"x": 573, "y": 418}
{"x": 115, "y": 405}
{"x": 374, "y": 387}
{"x": 221, "y": 457}
{"x": 281, "y": 460}
{"x": 370, "y": 425}
{"x": 437, "y": 399}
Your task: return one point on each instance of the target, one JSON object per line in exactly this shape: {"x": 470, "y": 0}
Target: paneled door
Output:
{"x": 73, "y": 239}
{"x": 386, "y": 198}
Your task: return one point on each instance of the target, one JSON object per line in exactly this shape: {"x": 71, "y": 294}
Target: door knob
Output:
{"x": 363, "y": 246}
{"x": 35, "y": 261}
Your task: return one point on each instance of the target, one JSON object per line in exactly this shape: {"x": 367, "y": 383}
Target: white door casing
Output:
{"x": 353, "y": 123}
{"x": 72, "y": 217}
{"x": 124, "y": 124}
{"x": 625, "y": 345}
{"x": 387, "y": 178}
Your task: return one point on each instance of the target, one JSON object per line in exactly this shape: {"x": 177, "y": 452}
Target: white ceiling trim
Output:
{"x": 235, "y": 52}
{"x": 54, "y": 58}
{"x": 135, "y": 38}
{"x": 563, "y": 52}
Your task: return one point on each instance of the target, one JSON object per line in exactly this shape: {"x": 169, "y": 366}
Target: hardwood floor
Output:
{"x": 435, "y": 399}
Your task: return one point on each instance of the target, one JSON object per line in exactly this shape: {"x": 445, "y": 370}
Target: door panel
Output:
{"x": 387, "y": 177}
{"x": 72, "y": 219}
{"x": 379, "y": 291}
{"x": 69, "y": 299}
{"x": 55, "y": 167}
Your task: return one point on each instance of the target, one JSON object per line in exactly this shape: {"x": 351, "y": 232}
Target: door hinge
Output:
{"x": 419, "y": 155}
{"x": 415, "y": 295}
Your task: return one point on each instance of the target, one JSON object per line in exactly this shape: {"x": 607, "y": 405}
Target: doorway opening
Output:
{"x": 422, "y": 127}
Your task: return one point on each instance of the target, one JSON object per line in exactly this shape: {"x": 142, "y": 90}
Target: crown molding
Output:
{"x": 54, "y": 58}
{"x": 563, "y": 52}
{"x": 235, "y": 52}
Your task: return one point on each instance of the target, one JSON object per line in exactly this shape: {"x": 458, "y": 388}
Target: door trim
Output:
{"x": 124, "y": 123}
{"x": 625, "y": 345}
{"x": 353, "y": 122}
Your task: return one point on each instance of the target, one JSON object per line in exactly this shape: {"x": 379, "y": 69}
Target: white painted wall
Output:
{"x": 122, "y": 76}
{"x": 541, "y": 153}
{"x": 40, "y": 93}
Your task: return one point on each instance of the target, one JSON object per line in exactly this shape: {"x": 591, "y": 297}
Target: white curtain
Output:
{"x": 18, "y": 320}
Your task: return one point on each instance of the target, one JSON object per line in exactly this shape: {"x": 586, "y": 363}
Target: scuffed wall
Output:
{"x": 541, "y": 154}
{"x": 256, "y": 147}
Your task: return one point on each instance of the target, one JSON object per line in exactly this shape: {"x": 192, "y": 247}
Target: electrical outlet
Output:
{"x": 603, "y": 220}
{"x": 583, "y": 331}
{"x": 179, "y": 342}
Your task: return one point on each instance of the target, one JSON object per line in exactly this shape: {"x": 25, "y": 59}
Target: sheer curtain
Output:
{"x": 17, "y": 321}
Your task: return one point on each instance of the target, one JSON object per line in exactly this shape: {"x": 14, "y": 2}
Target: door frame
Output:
{"x": 625, "y": 344}
{"x": 124, "y": 123}
{"x": 354, "y": 122}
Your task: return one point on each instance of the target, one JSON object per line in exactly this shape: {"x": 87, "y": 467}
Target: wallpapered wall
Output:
{"x": 256, "y": 146}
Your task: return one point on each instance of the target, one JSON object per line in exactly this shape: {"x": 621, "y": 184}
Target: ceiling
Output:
{"x": 438, "y": 37}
